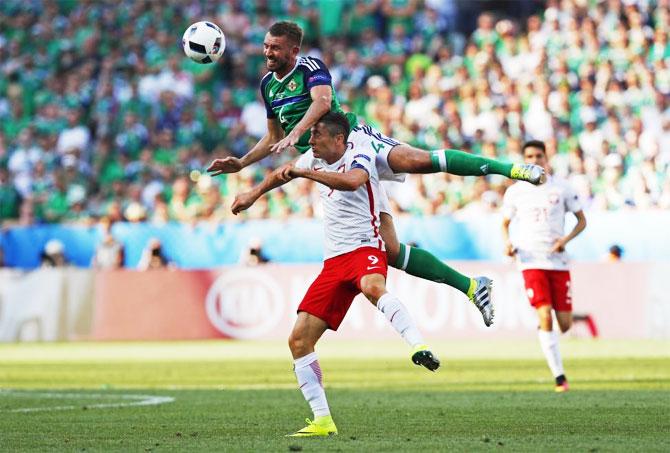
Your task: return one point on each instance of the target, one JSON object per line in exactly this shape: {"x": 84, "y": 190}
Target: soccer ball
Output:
{"x": 204, "y": 42}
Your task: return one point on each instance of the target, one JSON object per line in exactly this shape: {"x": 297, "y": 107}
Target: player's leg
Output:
{"x": 549, "y": 342}
{"x": 561, "y": 299}
{"x": 404, "y": 158}
{"x": 564, "y": 319}
{"x": 373, "y": 286}
{"x": 421, "y": 263}
{"x": 394, "y": 159}
{"x": 418, "y": 262}
{"x": 588, "y": 320}
{"x": 306, "y": 332}
{"x": 539, "y": 294}
{"x": 315, "y": 315}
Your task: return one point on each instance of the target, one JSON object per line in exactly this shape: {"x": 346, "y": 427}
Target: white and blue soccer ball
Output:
{"x": 204, "y": 42}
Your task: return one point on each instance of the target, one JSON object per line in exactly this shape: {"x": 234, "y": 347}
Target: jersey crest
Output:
{"x": 289, "y": 98}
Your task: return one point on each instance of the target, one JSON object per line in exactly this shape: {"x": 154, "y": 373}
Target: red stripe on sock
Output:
{"x": 317, "y": 370}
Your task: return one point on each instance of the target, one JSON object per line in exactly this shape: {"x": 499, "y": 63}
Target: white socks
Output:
{"x": 400, "y": 319}
{"x": 549, "y": 345}
{"x": 308, "y": 372}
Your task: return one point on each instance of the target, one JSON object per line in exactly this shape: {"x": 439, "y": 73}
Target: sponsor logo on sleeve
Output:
{"x": 318, "y": 78}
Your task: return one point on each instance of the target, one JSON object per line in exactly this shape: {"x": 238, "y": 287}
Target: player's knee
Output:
{"x": 565, "y": 325}
{"x": 407, "y": 159}
{"x": 297, "y": 343}
{"x": 373, "y": 290}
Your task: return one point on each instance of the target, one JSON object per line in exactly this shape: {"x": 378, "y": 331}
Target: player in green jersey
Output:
{"x": 298, "y": 91}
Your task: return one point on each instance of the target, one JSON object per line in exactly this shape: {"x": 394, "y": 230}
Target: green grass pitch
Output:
{"x": 242, "y": 396}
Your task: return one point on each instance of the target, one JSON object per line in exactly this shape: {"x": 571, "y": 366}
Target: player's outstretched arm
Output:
{"x": 245, "y": 200}
{"x": 232, "y": 164}
{"x": 348, "y": 181}
{"x": 322, "y": 97}
{"x": 559, "y": 245}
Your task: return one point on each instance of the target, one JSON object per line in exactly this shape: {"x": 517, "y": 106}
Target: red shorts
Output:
{"x": 330, "y": 295}
{"x": 546, "y": 287}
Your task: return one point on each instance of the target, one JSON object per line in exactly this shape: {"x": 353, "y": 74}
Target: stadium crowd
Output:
{"x": 101, "y": 114}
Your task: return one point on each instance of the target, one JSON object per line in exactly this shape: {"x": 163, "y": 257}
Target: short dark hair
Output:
{"x": 336, "y": 123}
{"x": 288, "y": 29}
{"x": 534, "y": 144}
{"x": 616, "y": 251}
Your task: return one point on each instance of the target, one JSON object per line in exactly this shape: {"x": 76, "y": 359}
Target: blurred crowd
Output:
{"x": 102, "y": 116}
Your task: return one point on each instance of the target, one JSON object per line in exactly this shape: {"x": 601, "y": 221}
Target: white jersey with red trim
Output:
{"x": 538, "y": 216}
{"x": 351, "y": 218}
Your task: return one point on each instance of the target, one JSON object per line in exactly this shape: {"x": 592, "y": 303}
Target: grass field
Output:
{"x": 242, "y": 396}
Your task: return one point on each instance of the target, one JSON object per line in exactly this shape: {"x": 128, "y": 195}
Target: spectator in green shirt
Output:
{"x": 9, "y": 197}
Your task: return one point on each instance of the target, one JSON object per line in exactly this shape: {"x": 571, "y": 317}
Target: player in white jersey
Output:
{"x": 538, "y": 213}
{"x": 355, "y": 260}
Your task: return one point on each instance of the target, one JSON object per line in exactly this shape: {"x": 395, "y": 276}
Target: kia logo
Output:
{"x": 244, "y": 303}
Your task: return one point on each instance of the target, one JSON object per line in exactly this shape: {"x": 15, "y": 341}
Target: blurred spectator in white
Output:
{"x": 175, "y": 79}
{"x": 252, "y": 118}
{"x": 75, "y": 135}
{"x": 135, "y": 212}
{"x": 253, "y": 254}
{"x": 538, "y": 120}
{"x": 591, "y": 139}
{"x": 153, "y": 257}
{"x": 53, "y": 254}
{"x": 109, "y": 254}
{"x": 22, "y": 161}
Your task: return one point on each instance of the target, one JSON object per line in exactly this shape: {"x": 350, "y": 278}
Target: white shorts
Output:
{"x": 364, "y": 136}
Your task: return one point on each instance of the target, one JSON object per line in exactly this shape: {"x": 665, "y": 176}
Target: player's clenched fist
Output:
{"x": 226, "y": 165}
{"x": 287, "y": 172}
{"x": 242, "y": 202}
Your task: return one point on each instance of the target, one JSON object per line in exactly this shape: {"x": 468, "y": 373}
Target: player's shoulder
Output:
{"x": 266, "y": 79}
{"x": 311, "y": 64}
{"x": 362, "y": 158}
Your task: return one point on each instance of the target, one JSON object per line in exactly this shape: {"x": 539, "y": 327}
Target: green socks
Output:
{"x": 466, "y": 164}
{"x": 420, "y": 263}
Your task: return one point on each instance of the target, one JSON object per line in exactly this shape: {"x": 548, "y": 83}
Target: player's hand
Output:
{"x": 287, "y": 142}
{"x": 510, "y": 250}
{"x": 286, "y": 172}
{"x": 297, "y": 172}
{"x": 559, "y": 246}
{"x": 243, "y": 201}
{"x": 226, "y": 165}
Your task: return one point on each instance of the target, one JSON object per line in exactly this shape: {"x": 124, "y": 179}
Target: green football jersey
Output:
{"x": 288, "y": 99}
